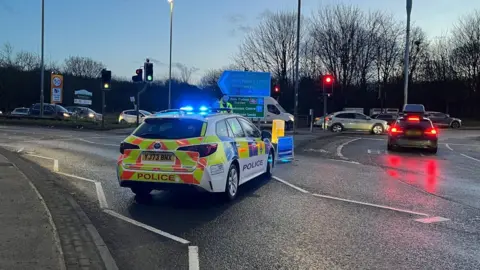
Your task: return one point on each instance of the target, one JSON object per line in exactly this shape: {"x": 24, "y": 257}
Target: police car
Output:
{"x": 413, "y": 130}
{"x": 216, "y": 152}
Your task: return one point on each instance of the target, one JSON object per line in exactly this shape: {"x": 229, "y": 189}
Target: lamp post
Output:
{"x": 297, "y": 77}
{"x": 170, "y": 64}
{"x": 42, "y": 64}
{"x": 407, "y": 52}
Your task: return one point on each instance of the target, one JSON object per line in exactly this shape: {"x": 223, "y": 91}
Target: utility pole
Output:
{"x": 42, "y": 62}
{"x": 297, "y": 76}
{"x": 407, "y": 53}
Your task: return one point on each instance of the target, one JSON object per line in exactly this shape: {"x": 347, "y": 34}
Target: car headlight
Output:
{"x": 291, "y": 118}
{"x": 91, "y": 115}
{"x": 66, "y": 115}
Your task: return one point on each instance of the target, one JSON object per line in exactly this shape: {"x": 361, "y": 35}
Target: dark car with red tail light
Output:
{"x": 413, "y": 130}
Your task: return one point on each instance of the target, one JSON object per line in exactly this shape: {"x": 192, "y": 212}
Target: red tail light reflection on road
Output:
{"x": 422, "y": 173}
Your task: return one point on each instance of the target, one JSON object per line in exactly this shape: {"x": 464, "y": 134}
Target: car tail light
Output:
{"x": 328, "y": 119}
{"x": 413, "y": 119}
{"x": 396, "y": 130}
{"x": 202, "y": 149}
{"x": 124, "y": 146}
{"x": 431, "y": 131}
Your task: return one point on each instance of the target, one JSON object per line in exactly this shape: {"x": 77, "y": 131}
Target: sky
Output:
{"x": 206, "y": 33}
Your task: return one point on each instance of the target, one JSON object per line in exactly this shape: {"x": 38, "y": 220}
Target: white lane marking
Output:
{"x": 38, "y": 156}
{"x": 107, "y": 144}
{"x": 146, "y": 227}
{"x": 102, "y": 200}
{"x": 55, "y": 165}
{"x": 448, "y": 146}
{"x": 340, "y": 147}
{"x": 77, "y": 177}
{"x": 431, "y": 219}
{"x": 372, "y": 204}
{"x": 472, "y": 158}
{"x": 193, "y": 261}
{"x": 345, "y": 161}
{"x": 51, "y": 222}
{"x": 290, "y": 185}
{"x": 315, "y": 150}
{"x": 367, "y": 138}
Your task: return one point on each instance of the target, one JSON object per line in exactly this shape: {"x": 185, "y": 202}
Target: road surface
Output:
{"x": 345, "y": 203}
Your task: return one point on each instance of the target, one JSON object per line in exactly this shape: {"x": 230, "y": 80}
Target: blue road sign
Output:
{"x": 245, "y": 83}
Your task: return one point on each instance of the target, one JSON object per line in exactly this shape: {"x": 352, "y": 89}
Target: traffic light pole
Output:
{"x": 324, "y": 106}
{"x": 103, "y": 109}
{"x": 138, "y": 102}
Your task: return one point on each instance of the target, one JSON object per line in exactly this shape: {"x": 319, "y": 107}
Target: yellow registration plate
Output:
{"x": 161, "y": 156}
{"x": 413, "y": 133}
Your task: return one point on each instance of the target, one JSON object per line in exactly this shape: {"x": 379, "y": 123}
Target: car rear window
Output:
{"x": 424, "y": 123}
{"x": 169, "y": 128}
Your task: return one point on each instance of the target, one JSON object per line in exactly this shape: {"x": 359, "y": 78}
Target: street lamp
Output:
{"x": 42, "y": 64}
{"x": 297, "y": 77}
{"x": 170, "y": 65}
{"x": 407, "y": 51}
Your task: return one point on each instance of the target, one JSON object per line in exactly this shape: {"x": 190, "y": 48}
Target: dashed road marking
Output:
{"x": 315, "y": 150}
{"x": 371, "y": 204}
{"x": 345, "y": 161}
{"x": 472, "y": 158}
{"x": 432, "y": 219}
{"x": 448, "y": 146}
{"x": 106, "y": 144}
{"x": 340, "y": 147}
{"x": 102, "y": 200}
{"x": 193, "y": 262}
{"x": 146, "y": 227}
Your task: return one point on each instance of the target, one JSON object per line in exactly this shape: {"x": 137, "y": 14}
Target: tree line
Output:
{"x": 365, "y": 53}
{"x": 363, "y": 50}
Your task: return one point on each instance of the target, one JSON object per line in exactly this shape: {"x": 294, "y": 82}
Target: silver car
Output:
{"x": 348, "y": 120}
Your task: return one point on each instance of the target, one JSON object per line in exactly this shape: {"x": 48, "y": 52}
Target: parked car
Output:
{"x": 130, "y": 116}
{"x": 20, "y": 112}
{"x": 443, "y": 120}
{"x": 349, "y": 120}
{"x": 79, "y": 112}
{"x": 54, "y": 111}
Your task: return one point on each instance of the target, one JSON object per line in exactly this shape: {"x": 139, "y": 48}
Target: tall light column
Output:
{"x": 297, "y": 76}
{"x": 170, "y": 64}
{"x": 407, "y": 54}
{"x": 42, "y": 64}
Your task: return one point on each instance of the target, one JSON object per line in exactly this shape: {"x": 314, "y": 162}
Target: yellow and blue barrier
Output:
{"x": 284, "y": 144}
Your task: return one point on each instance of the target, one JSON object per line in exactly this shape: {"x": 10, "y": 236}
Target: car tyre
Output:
{"x": 231, "y": 186}
{"x": 336, "y": 128}
{"x": 378, "y": 129}
{"x": 390, "y": 147}
{"x": 270, "y": 164}
{"x": 455, "y": 124}
{"x": 433, "y": 150}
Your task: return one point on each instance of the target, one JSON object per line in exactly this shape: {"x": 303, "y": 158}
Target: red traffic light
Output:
{"x": 277, "y": 89}
{"x": 328, "y": 79}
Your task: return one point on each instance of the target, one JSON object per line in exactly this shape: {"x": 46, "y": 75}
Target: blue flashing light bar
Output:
{"x": 203, "y": 108}
{"x": 187, "y": 108}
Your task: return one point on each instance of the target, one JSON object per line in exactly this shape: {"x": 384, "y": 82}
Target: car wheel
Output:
{"x": 377, "y": 129}
{"x": 337, "y": 128}
{"x": 390, "y": 147}
{"x": 433, "y": 150}
{"x": 123, "y": 121}
{"x": 455, "y": 124}
{"x": 270, "y": 164}
{"x": 141, "y": 192}
{"x": 231, "y": 187}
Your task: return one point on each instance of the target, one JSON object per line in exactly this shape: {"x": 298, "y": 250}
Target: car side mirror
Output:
{"x": 266, "y": 135}
{"x": 447, "y": 115}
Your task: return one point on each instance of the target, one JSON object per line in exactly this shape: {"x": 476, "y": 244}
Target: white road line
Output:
{"x": 340, "y": 147}
{"x": 193, "y": 261}
{"x": 38, "y": 156}
{"x": 102, "y": 200}
{"x": 472, "y": 158}
{"x": 146, "y": 227}
{"x": 448, "y": 146}
{"x": 463, "y": 144}
{"x": 55, "y": 165}
{"x": 431, "y": 219}
{"x": 107, "y": 144}
{"x": 373, "y": 205}
{"x": 290, "y": 185}
{"x": 345, "y": 161}
{"x": 77, "y": 177}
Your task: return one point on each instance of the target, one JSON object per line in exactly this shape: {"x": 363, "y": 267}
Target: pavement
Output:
{"x": 344, "y": 203}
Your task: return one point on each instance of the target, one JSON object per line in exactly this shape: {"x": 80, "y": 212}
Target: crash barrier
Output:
{"x": 278, "y": 130}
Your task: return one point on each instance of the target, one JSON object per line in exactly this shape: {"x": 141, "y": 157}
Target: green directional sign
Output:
{"x": 251, "y": 107}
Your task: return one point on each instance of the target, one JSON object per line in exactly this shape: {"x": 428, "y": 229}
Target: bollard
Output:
{"x": 311, "y": 120}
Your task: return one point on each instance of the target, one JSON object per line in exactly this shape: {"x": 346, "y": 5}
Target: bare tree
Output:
{"x": 82, "y": 67}
{"x": 271, "y": 46}
{"x": 27, "y": 61}
{"x": 6, "y": 55}
{"x": 337, "y": 31}
{"x": 439, "y": 66}
{"x": 185, "y": 72}
{"x": 466, "y": 52}
{"x": 389, "y": 49}
{"x": 210, "y": 78}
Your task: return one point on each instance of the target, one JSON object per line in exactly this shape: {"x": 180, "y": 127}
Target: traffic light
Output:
{"x": 327, "y": 79}
{"x": 276, "y": 89}
{"x": 106, "y": 79}
{"x": 327, "y": 86}
{"x": 139, "y": 76}
{"x": 148, "y": 71}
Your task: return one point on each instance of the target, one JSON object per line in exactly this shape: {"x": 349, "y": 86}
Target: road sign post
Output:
{"x": 56, "y": 88}
{"x": 140, "y": 91}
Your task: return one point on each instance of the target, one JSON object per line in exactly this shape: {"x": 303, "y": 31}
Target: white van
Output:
{"x": 273, "y": 111}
